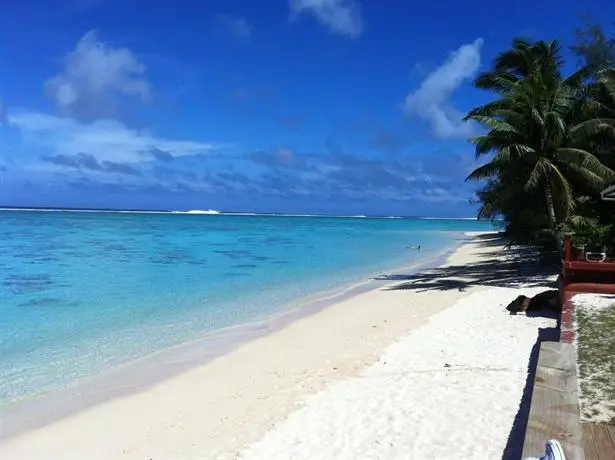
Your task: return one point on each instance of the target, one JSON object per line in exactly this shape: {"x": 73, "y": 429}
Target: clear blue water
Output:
{"x": 81, "y": 293}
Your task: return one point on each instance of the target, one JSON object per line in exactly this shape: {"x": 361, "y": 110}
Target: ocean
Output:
{"x": 82, "y": 293}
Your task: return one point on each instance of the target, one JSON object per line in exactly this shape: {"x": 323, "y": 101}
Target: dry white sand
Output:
{"x": 374, "y": 395}
{"x": 449, "y": 390}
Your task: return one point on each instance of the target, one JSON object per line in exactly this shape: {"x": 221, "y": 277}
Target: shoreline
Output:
{"x": 136, "y": 376}
{"x": 217, "y": 409}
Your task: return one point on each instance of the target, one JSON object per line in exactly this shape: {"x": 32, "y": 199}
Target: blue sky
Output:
{"x": 339, "y": 106}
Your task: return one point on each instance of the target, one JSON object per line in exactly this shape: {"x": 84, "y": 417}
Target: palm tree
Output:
{"x": 539, "y": 127}
{"x": 602, "y": 92}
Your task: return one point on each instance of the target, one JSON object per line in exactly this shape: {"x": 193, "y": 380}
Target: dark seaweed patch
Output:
{"x": 25, "y": 255}
{"x": 115, "y": 248}
{"x": 77, "y": 254}
{"x": 197, "y": 262}
{"x": 235, "y": 274}
{"x": 22, "y": 284}
{"x": 235, "y": 253}
{"x": 33, "y": 258}
{"x": 46, "y": 302}
{"x": 244, "y": 266}
{"x": 278, "y": 240}
{"x": 175, "y": 256}
{"x": 48, "y": 259}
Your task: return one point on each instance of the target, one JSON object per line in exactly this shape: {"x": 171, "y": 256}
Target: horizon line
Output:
{"x": 212, "y": 212}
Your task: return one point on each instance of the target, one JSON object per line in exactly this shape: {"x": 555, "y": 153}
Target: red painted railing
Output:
{"x": 581, "y": 276}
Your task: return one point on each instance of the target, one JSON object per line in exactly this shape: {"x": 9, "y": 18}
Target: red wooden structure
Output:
{"x": 582, "y": 275}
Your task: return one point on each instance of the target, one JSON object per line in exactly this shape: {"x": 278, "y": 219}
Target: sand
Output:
{"x": 435, "y": 372}
{"x": 595, "y": 321}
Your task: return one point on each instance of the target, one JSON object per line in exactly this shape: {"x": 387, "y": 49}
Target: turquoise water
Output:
{"x": 81, "y": 293}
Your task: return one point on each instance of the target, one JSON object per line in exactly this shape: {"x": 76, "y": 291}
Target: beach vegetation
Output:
{"x": 547, "y": 143}
{"x": 596, "y": 348}
{"x": 594, "y": 45}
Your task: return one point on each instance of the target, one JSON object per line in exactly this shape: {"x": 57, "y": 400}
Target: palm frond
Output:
{"x": 562, "y": 191}
{"x": 586, "y": 161}
{"x": 589, "y": 128}
{"x": 495, "y": 123}
{"x": 486, "y": 110}
{"x": 581, "y": 222}
{"x": 588, "y": 177}
{"x": 585, "y": 72}
{"x": 539, "y": 174}
{"x": 501, "y": 82}
{"x": 607, "y": 79}
{"x": 494, "y": 141}
{"x": 485, "y": 171}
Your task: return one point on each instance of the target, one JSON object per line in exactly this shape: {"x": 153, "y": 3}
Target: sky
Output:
{"x": 322, "y": 106}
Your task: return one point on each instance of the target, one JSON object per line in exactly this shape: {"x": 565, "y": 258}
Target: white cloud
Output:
{"x": 94, "y": 77}
{"x": 441, "y": 195}
{"x": 106, "y": 140}
{"x": 239, "y": 28}
{"x": 431, "y": 101}
{"x": 342, "y": 17}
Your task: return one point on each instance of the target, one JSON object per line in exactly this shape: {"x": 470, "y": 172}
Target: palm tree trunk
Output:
{"x": 550, "y": 205}
{"x": 559, "y": 241}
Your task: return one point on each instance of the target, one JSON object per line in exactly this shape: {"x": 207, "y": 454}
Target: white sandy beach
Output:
{"x": 435, "y": 370}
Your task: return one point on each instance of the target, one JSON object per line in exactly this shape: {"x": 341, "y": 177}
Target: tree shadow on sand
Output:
{"x": 519, "y": 266}
{"x": 516, "y": 437}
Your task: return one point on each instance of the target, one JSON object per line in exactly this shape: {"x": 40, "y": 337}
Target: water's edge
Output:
{"x": 143, "y": 374}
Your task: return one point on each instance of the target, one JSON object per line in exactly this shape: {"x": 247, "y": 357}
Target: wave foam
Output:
{"x": 209, "y": 212}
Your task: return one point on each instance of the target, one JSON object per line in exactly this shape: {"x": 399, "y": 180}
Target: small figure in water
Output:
{"x": 415, "y": 246}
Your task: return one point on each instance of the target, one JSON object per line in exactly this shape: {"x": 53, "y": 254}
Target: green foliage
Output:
{"x": 548, "y": 139}
{"x": 593, "y": 237}
{"x": 593, "y": 45}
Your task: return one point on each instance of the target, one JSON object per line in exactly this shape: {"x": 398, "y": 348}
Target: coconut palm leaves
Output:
{"x": 539, "y": 129}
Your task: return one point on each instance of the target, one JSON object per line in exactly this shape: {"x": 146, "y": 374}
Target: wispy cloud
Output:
{"x": 105, "y": 140}
{"x": 280, "y": 158}
{"x": 340, "y": 174}
{"x": 238, "y": 28}
{"x": 431, "y": 100}
{"x": 94, "y": 78}
{"x": 78, "y": 161}
{"x": 281, "y": 174}
{"x": 83, "y": 161}
{"x": 120, "y": 168}
{"x": 341, "y": 17}
{"x": 161, "y": 155}
{"x": 3, "y": 116}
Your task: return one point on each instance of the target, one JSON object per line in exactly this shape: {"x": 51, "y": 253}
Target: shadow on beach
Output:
{"x": 519, "y": 266}
{"x": 516, "y": 438}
